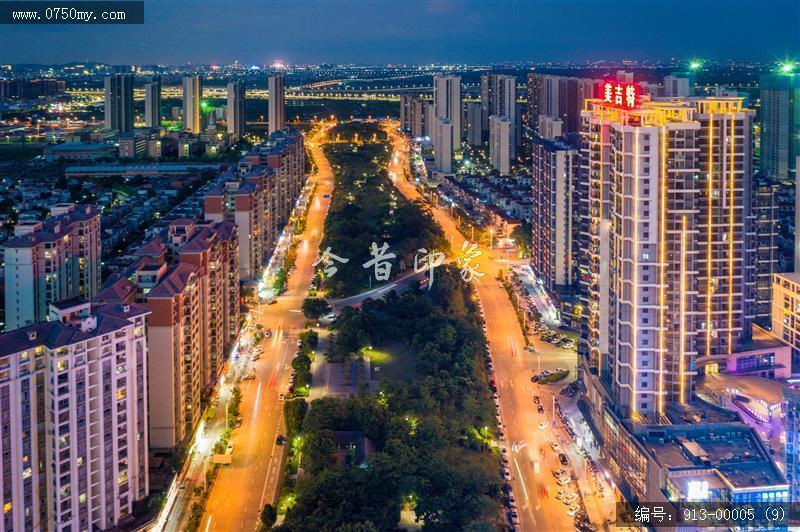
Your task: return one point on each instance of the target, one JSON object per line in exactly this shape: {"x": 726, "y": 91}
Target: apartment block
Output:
{"x": 74, "y": 425}
{"x": 670, "y": 280}
{"x": 51, "y": 260}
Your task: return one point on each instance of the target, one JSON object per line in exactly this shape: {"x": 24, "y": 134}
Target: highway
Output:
{"x": 530, "y": 456}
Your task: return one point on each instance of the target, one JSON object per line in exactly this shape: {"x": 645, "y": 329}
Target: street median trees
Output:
{"x": 315, "y": 307}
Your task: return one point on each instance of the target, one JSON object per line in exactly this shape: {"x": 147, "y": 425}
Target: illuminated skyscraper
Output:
{"x": 118, "y": 93}
{"x": 234, "y": 112}
{"x": 152, "y": 102}
{"x": 277, "y": 103}
{"x": 192, "y": 99}
{"x": 501, "y": 140}
{"x": 670, "y": 272}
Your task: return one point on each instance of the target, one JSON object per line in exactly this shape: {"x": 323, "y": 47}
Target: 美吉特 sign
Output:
{"x": 619, "y": 94}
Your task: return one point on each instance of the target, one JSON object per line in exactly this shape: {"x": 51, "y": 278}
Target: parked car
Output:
{"x": 540, "y": 409}
{"x": 554, "y": 445}
{"x": 563, "y": 481}
{"x": 543, "y": 425}
{"x": 563, "y": 459}
{"x": 280, "y": 440}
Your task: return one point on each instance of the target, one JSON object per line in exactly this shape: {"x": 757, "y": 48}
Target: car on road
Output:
{"x": 570, "y": 498}
{"x": 490, "y": 367}
{"x": 563, "y": 459}
{"x": 249, "y": 377}
{"x": 272, "y": 301}
{"x": 229, "y": 449}
{"x": 267, "y": 333}
{"x": 560, "y": 473}
{"x": 512, "y": 501}
{"x": 536, "y": 399}
{"x": 255, "y": 357}
{"x": 554, "y": 445}
{"x": 563, "y": 481}
{"x": 543, "y": 425}
{"x": 562, "y": 493}
{"x": 506, "y": 473}
{"x": 572, "y": 510}
{"x": 280, "y": 440}
{"x": 514, "y": 517}
{"x": 281, "y": 396}
{"x": 540, "y": 409}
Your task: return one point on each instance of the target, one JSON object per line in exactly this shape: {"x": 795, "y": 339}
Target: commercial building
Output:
{"x": 780, "y": 124}
{"x": 786, "y": 312}
{"x": 555, "y": 235}
{"x": 192, "y": 104}
{"x": 152, "y": 102}
{"x": 277, "y": 103}
{"x": 670, "y": 278}
{"x": 501, "y": 142}
{"x": 792, "y": 396}
{"x": 78, "y": 151}
{"x": 51, "y": 260}
{"x": 235, "y": 110}
{"x": 118, "y": 95}
{"x": 74, "y": 425}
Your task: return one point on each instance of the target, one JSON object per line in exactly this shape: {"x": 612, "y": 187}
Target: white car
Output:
{"x": 563, "y": 481}
{"x": 570, "y": 498}
{"x": 506, "y": 473}
{"x": 561, "y": 493}
{"x": 554, "y": 445}
{"x": 543, "y": 425}
{"x": 572, "y": 510}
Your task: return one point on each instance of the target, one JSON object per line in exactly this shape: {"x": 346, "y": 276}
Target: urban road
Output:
{"x": 531, "y": 458}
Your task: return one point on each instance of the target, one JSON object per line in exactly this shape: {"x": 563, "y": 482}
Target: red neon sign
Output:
{"x": 619, "y": 94}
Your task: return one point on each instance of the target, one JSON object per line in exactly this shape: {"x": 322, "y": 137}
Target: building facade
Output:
{"x": 235, "y": 110}
{"x": 780, "y": 124}
{"x": 670, "y": 281}
{"x": 74, "y": 426}
{"x": 152, "y": 102}
{"x": 192, "y": 104}
{"x": 51, "y": 260}
{"x": 277, "y": 103}
{"x": 118, "y": 95}
{"x": 555, "y": 243}
{"x": 501, "y": 141}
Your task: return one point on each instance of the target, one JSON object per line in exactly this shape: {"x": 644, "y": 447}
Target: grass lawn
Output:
{"x": 395, "y": 360}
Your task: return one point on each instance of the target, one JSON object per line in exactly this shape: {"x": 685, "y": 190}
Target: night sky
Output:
{"x": 420, "y": 32}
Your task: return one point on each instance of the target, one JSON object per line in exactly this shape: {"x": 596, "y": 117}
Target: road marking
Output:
{"x": 521, "y": 479}
{"x": 208, "y": 524}
{"x": 255, "y": 403}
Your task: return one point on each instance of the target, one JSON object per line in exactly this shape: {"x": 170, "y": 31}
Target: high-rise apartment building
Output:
{"x": 192, "y": 104}
{"x": 555, "y": 236}
{"x": 51, "y": 260}
{"x": 765, "y": 213}
{"x": 558, "y": 97}
{"x": 152, "y": 102}
{"x": 792, "y": 397}
{"x": 670, "y": 274}
{"x": 780, "y": 124}
{"x": 283, "y": 152}
{"x": 447, "y": 114}
{"x": 443, "y": 144}
{"x": 118, "y": 95}
{"x": 498, "y": 98}
{"x": 501, "y": 139}
{"x": 235, "y": 110}
{"x": 678, "y": 85}
{"x": 188, "y": 278}
{"x": 277, "y": 103}
{"x": 414, "y": 116}
{"x": 245, "y": 200}
{"x": 74, "y": 425}
{"x": 473, "y": 131}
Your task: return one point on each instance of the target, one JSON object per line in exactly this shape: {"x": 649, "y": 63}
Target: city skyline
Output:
{"x": 442, "y": 31}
